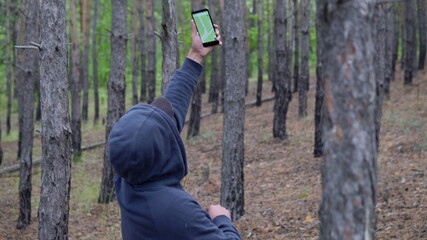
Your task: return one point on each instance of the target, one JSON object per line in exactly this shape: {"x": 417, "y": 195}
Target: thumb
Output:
{"x": 193, "y": 28}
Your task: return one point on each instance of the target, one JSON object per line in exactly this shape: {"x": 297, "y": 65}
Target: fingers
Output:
{"x": 193, "y": 27}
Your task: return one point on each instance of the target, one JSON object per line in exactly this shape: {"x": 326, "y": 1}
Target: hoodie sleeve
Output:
{"x": 181, "y": 88}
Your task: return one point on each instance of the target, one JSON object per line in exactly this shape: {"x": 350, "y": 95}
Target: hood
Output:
{"x": 145, "y": 147}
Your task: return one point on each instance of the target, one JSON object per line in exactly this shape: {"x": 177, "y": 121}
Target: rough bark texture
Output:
{"x": 379, "y": 34}
{"x": 1, "y": 149}
{"x": 75, "y": 82}
{"x": 395, "y": 42}
{"x": 26, "y": 84}
{"x": 389, "y": 49}
{"x": 151, "y": 51}
{"x": 169, "y": 42}
{"x": 95, "y": 60}
{"x": 260, "y": 54}
{"x": 85, "y": 25}
{"x": 305, "y": 51}
{"x": 134, "y": 51}
{"x": 296, "y": 46}
{"x": 349, "y": 173}
{"x": 422, "y": 32}
{"x": 56, "y": 133}
{"x": 215, "y": 82}
{"x": 222, "y": 59}
{"x": 282, "y": 75}
{"x": 116, "y": 90}
{"x": 318, "y": 111}
{"x": 409, "y": 41}
{"x": 9, "y": 69}
{"x": 142, "y": 49}
{"x": 232, "y": 178}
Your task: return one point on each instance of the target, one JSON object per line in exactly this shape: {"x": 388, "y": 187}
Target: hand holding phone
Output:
{"x": 205, "y": 27}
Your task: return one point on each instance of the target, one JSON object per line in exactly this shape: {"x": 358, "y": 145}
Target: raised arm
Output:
{"x": 184, "y": 81}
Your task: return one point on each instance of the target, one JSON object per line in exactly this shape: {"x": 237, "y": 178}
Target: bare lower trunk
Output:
{"x": 134, "y": 51}
{"x": 151, "y": 51}
{"x": 305, "y": 49}
{"x": 85, "y": 56}
{"x": 349, "y": 173}
{"x": 95, "y": 60}
{"x": 142, "y": 49}
{"x": 169, "y": 42}
{"x": 116, "y": 90}
{"x": 215, "y": 78}
{"x": 9, "y": 67}
{"x": 232, "y": 177}
{"x": 296, "y": 46}
{"x": 409, "y": 41}
{"x": 196, "y": 110}
{"x": 389, "y": 49}
{"x": 422, "y": 32}
{"x": 56, "y": 133}
{"x": 260, "y": 54}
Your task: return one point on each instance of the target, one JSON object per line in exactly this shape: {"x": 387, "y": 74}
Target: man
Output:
{"x": 148, "y": 156}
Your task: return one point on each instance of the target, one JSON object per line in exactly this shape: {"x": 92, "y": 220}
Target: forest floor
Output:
{"x": 282, "y": 178}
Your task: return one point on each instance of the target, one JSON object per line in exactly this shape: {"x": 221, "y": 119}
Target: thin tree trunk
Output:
{"x": 396, "y": 41}
{"x": 409, "y": 41}
{"x": 305, "y": 51}
{"x": 260, "y": 54}
{"x": 389, "y": 49}
{"x": 232, "y": 176}
{"x": 95, "y": 60}
{"x": 151, "y": 51}
{"x": 222, "y": 59}
{"x": 26, "y": 84}
{"x": 422, "y": 32}
{"x": 85, "y": 5}
{"x": 116, "y": 90}
{"x": 75, "y": 82}
{"x": 215, "y": 80}
{"x": 402, "y": 35}
{"x": 380, "y": 34}
{"x": 349, "y": 176}
{"x": 56, "y": 133}
{"x": 169, "y": 42}
{"x": 283, "y": 74}
{"x": 296, "y": 46}
{"x": 142, "y": 49}
{"x": 9, "y": 67}
{"x": 1, "y": 149}
{"x": 134, "y": 50}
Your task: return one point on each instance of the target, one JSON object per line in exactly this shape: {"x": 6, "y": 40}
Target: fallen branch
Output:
{"x": 39, "y": 160}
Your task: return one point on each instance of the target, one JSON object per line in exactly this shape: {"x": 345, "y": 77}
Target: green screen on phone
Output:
{"x": 204, "y": 26}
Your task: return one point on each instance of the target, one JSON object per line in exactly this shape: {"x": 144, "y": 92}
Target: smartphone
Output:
{"x": 205, "y": 27}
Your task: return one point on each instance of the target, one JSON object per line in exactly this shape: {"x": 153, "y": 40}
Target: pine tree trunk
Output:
{"x": 305, "y": 49}
{"x": 232, "y": 177}
{"x": 1, "y": 149}
{"x": 349, "y": 176}
{"x": 422, "y": 32}
{"x": 9, "y": 67}
{"x": 134, "y": 50}
{"x": 95, "y": 60}
{"x": 409, "y": 41}
{"x": 296, "y": 46}
{"x": 116, "y": 90}
{"x": 151, "y": 51}
{"x": 85, "y": 8}
{"x": 395, "y": 42}
{"x": 222, "y": 58}
{"x": 282, "y": 93}
{"x": 169, "y": 42}
{"x": 389, "y": 49}
{"x": 56, "y": 133}
{"x": 75, "y": 82}
{"x": 26, "y": 84}
{"x": 379, "y": 33}
{"x": 260, "y": 54}
{"x": 142, "y": 49}
{"x": 215, "y": 80}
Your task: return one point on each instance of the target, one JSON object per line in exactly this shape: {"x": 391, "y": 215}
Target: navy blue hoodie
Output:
{"x": 148, "y": 156}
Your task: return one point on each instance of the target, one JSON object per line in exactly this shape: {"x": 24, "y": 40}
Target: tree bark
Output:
{"x": 151, "y": 51}
{"x": 296, "y": 46}
{"x": 232, "y": 176}
{"x": 409, "y": 41}
{"x": 260, "y": 54}
{"x": 116, "y": 90}
{"x": 422, "y": 32}
{"x": 134, "y": 50}
{"x": 389, "y": 49}
{"x": 85, "y": 24}
{"x": 75, "y": 83}
{"x": 282, "y": 94}
{"x": 169, "y": 42}
{"x": 215, "y": 79}
{"x": 1, "y": 149}
{"x": 9, "y": 67}
{"x": 305, "y": 51}
{"x": 349, "y": 176}
{"x": 26, "y": 84}
{"x": 142, "y": 49}
{"x": 95, "y": 60}
{"x": 56, "y": 133}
